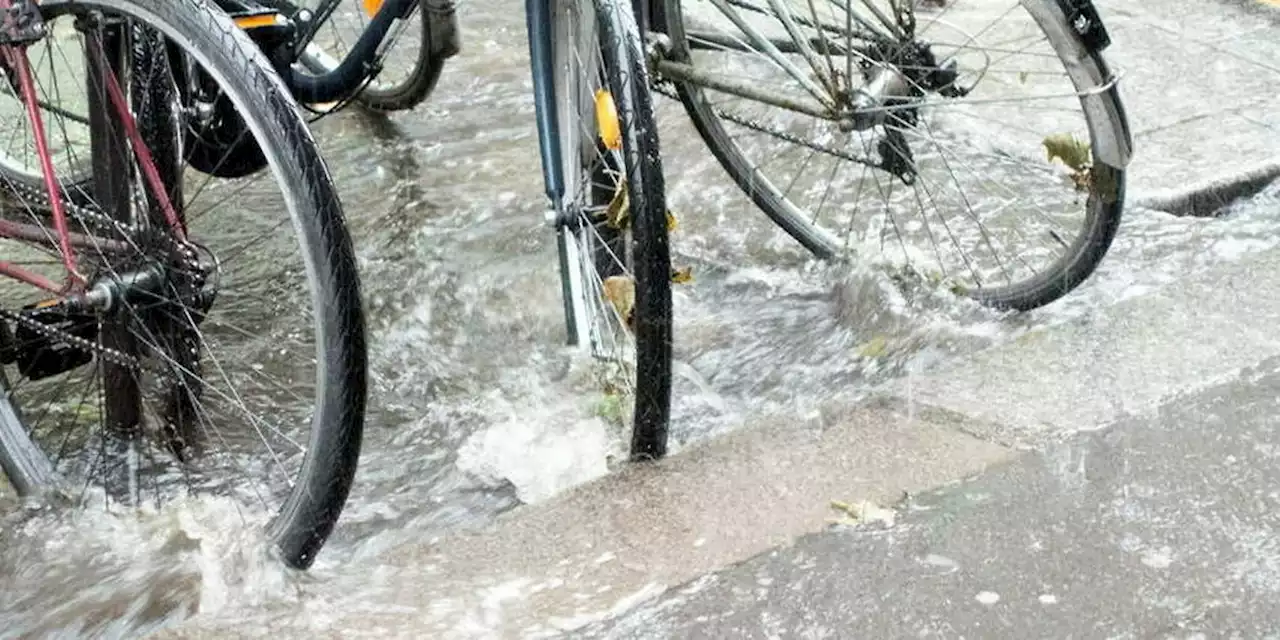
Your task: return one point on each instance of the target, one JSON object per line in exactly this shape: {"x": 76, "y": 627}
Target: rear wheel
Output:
{"x": 980, "y": 143}
{"x": 223, "y": 356}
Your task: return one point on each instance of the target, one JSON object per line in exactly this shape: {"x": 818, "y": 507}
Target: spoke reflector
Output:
{"x": 607, "y": 120}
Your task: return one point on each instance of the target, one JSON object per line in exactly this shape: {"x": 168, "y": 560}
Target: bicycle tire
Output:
{"x": 645, "y": 239}
{"x": 628, "y": 75}
{"x": 320, "y": 488}
{"x": 439, "y": 43}
{"x": 1103, "y": 213}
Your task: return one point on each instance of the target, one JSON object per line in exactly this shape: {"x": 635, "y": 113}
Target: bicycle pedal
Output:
{"x": 41, "y": 354}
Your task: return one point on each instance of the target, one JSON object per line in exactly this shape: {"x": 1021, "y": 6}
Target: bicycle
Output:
{"x": 604, "y": 184}
{"x": 149, "y": 339}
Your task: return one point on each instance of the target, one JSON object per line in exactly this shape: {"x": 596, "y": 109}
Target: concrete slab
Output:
{"x": 1200, "y": 84}
{"x": 605, "y": 544}
{"x": 1162, "y": 527}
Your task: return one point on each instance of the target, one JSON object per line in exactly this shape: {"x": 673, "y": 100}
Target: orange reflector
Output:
{"x": 607, "y": 120}
{"x": 253, "y": 22}
{"x": 44, "y": 304}
{"x": 371, "y": 7}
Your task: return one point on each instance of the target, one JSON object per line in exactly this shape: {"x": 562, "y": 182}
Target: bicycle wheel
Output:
{"x": 981, "y": 143}
{"x": 209, "y": 339}
{"x": 613, "y": 240}
{"x": 407, "y": 78}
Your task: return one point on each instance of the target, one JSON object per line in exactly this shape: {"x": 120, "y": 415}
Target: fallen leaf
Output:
{"x": 681, "y": 276}
{"x": 618, "y": 213}
{"x": 609, "y": 407}
{"x": 620, "y": 291}
{"x": 671, "y": 221}
{"x": 1071, "y": 151}
{"x": 865, "y": 512}
{"x": 874, "y": 348}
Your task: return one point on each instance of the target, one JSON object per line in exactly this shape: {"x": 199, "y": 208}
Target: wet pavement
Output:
{"x": 1160, "y": 526}
{"x": 474, "y": 413}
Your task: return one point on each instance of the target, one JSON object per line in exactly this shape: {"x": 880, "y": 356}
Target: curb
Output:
{"x": 1208, "y": 199}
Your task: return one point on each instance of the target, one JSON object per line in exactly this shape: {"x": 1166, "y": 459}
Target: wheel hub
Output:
{"x": 55, "y": 336}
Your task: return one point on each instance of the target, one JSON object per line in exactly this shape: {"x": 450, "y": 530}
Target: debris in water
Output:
{"x": 1074, "y": 153}
{"x": 874, "y": 348}
{"x": 609, "y": 407}
{"x": 682, "y": 275}
{"x": 620, "y": 291}
{"x": 863, "y": 512}
{"x": 618, "y": 213}
{"x": 987, "y": 597}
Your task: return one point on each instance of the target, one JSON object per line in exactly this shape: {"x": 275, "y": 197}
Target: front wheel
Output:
{"x": 613, "y": 235}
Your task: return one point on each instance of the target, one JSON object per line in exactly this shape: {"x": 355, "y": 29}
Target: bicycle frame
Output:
{"x": 346, "y": 78}
{"x": 540, "y": 25}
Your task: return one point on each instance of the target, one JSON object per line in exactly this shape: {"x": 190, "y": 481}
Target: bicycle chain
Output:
{"x": 77, "y": 210}
{"x": 105, "y": 353}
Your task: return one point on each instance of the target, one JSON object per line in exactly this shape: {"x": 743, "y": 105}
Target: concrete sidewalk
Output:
{"x": 1161, "y": 527}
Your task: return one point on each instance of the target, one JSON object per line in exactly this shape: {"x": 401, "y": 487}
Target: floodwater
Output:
{"x": 472, "y": 409}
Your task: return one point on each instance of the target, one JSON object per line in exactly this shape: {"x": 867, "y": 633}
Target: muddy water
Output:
{"x": 473, "y": 407}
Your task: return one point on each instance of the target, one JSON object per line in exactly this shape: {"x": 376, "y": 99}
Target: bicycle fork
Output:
{"x": 540, "y": 22}
{"x": 27, "y": 468}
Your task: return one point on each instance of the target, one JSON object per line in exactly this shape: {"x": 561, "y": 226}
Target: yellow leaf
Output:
{"x": 681, "y": 276}
{"x": 1072, "y": 152}
{"x": 609, "y": 407}
{"x": 874, "y": 348}
{"x": 607, "y": 120}
{"x": 865, "y": 511}
{"x": 618, "y": 213}
{"x": 671, "y": 221}
{"x": 620, "y": 291}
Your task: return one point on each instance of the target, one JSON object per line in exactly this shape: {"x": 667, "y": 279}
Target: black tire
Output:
{"x": 439, "y": 36}
{"x": 318, "y": 491}
{"x": 640, "y": 251}
{"x": 1102, "y": 213}
{"x": 628, "y": 77}
{"x": 439, "y": 43}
